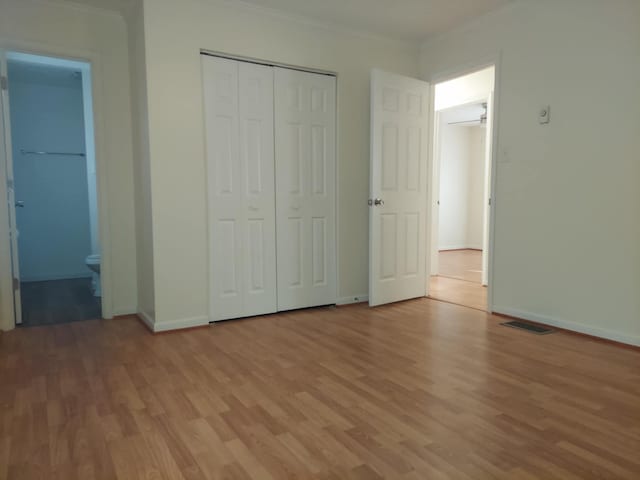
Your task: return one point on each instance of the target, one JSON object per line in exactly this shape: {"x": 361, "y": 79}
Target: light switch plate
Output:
{"x": 544, "y": 115}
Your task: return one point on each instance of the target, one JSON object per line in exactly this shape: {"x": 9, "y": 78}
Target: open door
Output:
{"x": 8, "y": 195}
{"x": 398, "y": 209}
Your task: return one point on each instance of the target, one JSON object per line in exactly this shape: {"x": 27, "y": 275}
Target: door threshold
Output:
{"x": 458, "y": 304}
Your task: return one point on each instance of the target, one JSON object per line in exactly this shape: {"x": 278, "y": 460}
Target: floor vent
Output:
{"x": 537, "y": 329}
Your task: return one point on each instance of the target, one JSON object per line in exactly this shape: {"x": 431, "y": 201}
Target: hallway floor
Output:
{"x": 58, "y": 301}
{"x": 460, "y": 279}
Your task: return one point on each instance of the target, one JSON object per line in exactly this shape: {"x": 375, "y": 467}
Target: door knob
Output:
{"x": 377, "y": 202}
{"x": 20, "y": 204}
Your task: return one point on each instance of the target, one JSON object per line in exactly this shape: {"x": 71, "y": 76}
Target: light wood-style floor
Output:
{"x": 461, "y": 265}
{"x": 416, "y": 390}
{"x": 460, "y": 279}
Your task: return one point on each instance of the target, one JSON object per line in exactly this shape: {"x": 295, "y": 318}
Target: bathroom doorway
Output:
{"x": 56, "y": 257}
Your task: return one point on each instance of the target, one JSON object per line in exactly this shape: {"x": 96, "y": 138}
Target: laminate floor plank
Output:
{"x": 415, "y": 390}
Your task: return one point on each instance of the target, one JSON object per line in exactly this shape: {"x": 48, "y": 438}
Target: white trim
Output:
{"x": 495, "y": 142}
{"x": 569, "y": 325}
{"x": 53, "y": 277}
{"x": 336, "y": 179}
{"x": 180, "y": 324}
{"x": 433, "y": 188}
{"x": 266, "y": 63}
{"x": 7, "y": 255}
{"x": 354, "y": 299}
{"x": 146, "y": 319}
{"x": 99, "y": 105}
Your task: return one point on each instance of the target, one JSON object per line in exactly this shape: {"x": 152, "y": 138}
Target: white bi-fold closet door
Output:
{"x": 270, "y": 142}
{"x": 238, "y": 101}
{"x": 305, "y": 112}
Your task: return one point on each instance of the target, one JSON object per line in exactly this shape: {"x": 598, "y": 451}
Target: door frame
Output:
{"x": 101, "y": 158}
{"x": 451, "y": 73}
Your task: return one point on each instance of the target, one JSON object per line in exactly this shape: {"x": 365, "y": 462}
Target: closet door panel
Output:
{"x": 257, "y": 167}
{"x": 226, "y": 222}
{"x": 305, "y": 133}
{"x": 240, "y": 168}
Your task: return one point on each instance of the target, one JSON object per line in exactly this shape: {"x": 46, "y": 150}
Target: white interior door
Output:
{"x": 398, "y": 242}
{"x": 305, "y": 108}
{"x": 8, "y": 219}
{"x": 240, "y": 167}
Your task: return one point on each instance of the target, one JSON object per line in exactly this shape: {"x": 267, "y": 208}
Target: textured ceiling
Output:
{"x": 412, "y": 20}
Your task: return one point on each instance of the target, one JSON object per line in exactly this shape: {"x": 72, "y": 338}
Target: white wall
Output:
{"x": 461, "y": 187}
{"x": 567, "y": 202}
{"x": 54, "y": 224}
{"x": 454, "y": 187}
{"x": 477, "y": 163}
{"x": 142, "y": 163}
{"x": 174, "y": 33}
{"x": 55, "y": 29}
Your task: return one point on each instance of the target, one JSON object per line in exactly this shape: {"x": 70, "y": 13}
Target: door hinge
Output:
{"x": 16, "y": 284}
{"x": 4, "y": 83}
{"x": 489, "y": 201}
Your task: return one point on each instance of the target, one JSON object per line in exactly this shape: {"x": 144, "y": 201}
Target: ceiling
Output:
{"x": 411, "y": 20}
{"x": 402, "y": 19}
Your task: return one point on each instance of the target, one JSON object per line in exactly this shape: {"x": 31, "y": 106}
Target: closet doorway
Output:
{"x": 271, "y": 176}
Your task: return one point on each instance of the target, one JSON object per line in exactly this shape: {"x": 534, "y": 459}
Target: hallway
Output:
{"x": 460, "y": 279}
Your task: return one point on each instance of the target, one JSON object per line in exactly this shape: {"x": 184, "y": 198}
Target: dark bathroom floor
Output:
{"x": 58, "y": 301}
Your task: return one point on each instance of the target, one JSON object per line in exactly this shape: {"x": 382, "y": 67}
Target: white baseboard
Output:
{"x": 354, "y": 299}
{"x": 51, "y": 277}
{"x": 180, "y": 324}
{"x": 568, "y": 325}
{"x": 147, "y": 319}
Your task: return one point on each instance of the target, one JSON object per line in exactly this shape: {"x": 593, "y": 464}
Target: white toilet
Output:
{"x": 93, "y": 262}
